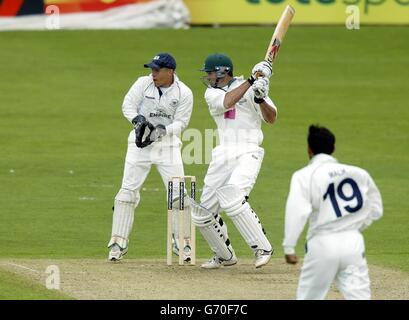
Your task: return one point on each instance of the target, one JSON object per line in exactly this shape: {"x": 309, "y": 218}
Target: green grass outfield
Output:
{"x": 63, "y": 136}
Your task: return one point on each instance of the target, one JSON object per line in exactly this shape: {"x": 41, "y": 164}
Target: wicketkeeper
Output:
{"x": 159, "y": 107}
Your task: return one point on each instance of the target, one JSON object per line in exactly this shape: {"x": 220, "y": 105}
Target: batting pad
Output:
{"x": 233, "y": 201}
{"x": 212, "y": 231}
{"x": 123, "y": 217}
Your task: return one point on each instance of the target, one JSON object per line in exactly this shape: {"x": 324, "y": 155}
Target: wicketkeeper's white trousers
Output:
{"x": 138, "y": 163}
{"x": 167, "y": 158}
{"x": 337, "y": 256}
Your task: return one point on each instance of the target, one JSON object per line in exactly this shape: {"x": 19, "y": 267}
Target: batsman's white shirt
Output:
{"x": 238, "y": 157}
{"x": 339, "y": 200}
{"x": 240, "y": 124}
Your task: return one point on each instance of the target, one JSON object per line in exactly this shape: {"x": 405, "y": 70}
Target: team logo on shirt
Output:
{"x": 159, "y": 114}
{"x": 173, "y": 103}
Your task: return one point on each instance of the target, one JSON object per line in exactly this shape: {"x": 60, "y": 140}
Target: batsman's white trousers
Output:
{"x": 238, "y": 165}
{"x": 337, "y": 256}
{"x": 138, "y": 162}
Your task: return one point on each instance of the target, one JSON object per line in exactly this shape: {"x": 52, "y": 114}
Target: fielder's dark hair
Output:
{"x": 320, "y": 140}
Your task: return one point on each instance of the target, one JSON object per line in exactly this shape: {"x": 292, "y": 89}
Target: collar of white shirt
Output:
{"x": 321, "y": 158}
{"x": 226, "y": 87}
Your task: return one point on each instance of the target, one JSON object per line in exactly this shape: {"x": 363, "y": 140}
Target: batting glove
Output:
{"x": 260, "y": 88}
{"x": 262, "y": 69}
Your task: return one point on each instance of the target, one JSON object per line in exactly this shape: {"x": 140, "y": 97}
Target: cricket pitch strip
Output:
{"x": 143, "y": 279}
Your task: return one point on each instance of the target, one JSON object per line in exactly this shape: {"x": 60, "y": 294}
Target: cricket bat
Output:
{"x": 279, "y": 33}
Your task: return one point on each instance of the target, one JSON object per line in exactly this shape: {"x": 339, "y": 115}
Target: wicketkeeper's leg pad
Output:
{"x": 125, "y": 203}
{"x": 212, "y": 231}
{"x": 233, "y": 200}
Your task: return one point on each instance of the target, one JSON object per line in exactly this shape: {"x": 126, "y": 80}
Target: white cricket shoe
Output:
{"x": 215, "y": 262}
{"x": 116, "y": 252}
{"x": 262, "y": 257}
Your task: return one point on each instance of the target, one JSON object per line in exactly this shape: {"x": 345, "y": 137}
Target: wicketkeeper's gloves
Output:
{"x": 157, "y": 133}
{"x": 140, "y": 123}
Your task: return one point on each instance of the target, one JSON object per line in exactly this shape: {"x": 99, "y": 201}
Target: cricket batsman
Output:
{"x": 238, "y": 107}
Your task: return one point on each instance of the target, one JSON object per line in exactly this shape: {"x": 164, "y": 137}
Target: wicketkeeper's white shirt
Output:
{"x": 240, "y": 124}
{"x": 172, "y": 108}
{"x": 334, "y": 197}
